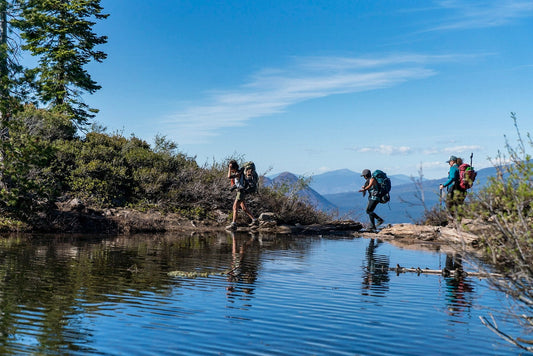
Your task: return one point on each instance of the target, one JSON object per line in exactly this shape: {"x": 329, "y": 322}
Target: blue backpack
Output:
{"x": 384, "y": 186}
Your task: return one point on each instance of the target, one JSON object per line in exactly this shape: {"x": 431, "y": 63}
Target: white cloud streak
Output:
{"x": 483, "y": 14}
{"x": 462, "y": 149}
{"x": 386, "y": 150}
{"x": 272, "y": 91}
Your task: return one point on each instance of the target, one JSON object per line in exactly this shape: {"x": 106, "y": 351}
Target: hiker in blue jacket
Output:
{"x": 371, "y": 185}
{"x": 455, "y": 194}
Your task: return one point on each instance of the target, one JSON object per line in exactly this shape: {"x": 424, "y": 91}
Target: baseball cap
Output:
{"x": 452, "y": 158}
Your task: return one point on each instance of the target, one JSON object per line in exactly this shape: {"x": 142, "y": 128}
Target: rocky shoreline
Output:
{"x": 74, "y": 217}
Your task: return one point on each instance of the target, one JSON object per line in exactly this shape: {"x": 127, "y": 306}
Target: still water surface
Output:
{"x": 253, "y": 295}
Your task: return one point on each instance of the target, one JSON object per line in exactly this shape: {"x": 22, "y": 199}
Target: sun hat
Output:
{"x": 366, "y": 173}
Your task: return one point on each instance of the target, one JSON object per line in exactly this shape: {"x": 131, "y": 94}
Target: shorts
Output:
{"x": 240, "y": 195}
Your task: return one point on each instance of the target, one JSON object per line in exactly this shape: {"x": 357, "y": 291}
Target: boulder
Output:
{"x": 429, "y": 233}
{"x": 267, "y": 217}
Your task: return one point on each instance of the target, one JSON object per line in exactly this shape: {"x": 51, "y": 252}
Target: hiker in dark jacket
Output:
{"x": 455, "y": 195}
{"x": 238, "y": 180}
{"x": 371, "y": 185}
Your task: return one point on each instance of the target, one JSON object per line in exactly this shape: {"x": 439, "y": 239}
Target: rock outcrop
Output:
{"x": 429, "y": 233}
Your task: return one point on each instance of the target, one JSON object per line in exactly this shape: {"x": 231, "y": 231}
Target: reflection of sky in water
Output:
{"x": 314, "y": 295}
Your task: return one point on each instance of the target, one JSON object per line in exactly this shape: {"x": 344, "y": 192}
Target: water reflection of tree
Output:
{"x": 376, "y": 270}
{"x": 245, "y": 263}
{"x": 48, "y": 283}
{"x": 459, "y": 292}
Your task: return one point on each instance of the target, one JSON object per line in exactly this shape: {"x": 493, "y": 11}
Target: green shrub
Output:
{"x": 505, "y": 205}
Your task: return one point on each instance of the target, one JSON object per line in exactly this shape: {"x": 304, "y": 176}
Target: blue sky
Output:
{"x": 314, "y": 86}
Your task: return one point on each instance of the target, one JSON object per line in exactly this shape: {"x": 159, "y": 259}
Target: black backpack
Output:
{"x": 250, "y": 183}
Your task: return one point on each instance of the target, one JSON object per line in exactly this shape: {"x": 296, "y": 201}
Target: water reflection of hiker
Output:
{"x": 455, "y": 195}
{"x": 458, "y": 290}
{"x": 371, "y": 185}
{"x": 244, "y": 263}
{"x": 454, "y": 262}
{"x": 240, "y": 181}
{"x": 376, "y": 269}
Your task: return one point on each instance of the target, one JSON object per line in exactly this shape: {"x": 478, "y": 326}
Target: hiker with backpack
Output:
{"x": 378, "y": 186}
{"x": 244, "y": 180}
{"x": 456, "y": 195}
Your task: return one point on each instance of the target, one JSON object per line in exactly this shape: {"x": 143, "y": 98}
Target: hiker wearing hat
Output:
{"x": 371, "y": 185}
{"x": 455, "y": 195}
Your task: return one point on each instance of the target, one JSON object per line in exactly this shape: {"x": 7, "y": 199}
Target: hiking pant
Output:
{"x": 370, "y": 211}
{"x": 454, "y": 199}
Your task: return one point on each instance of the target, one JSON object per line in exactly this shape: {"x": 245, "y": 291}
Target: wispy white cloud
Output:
{"x": 433, "y": 164}
{"x": 386, "y": 150}
{"x": 483, "y": 14}
{"x": 462, "y": 149}
{"x": 272, "y": 91}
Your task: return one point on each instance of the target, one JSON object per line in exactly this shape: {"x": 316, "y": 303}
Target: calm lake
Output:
{"x": 251, "y": 295}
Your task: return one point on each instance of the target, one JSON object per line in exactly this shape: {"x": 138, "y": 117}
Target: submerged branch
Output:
{"x": 445, "y": 272}
{"x": 503, "y": 335}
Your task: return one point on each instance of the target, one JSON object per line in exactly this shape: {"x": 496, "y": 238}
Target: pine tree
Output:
{"x": 59, "y": 33}
{"x": 12, "y": 76}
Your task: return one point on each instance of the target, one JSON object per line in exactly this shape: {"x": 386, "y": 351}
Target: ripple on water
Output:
{"x": 323, "y": 296}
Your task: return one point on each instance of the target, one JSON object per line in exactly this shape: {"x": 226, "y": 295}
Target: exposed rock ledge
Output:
{"x": 427, "y": 233}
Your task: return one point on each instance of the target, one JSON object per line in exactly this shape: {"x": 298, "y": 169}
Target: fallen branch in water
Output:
{"x": 494, "y": 327}
{"x": 445, "y": 272}
{"x": 187, "y": 274}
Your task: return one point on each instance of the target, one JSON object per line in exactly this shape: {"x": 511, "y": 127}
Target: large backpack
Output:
{"x": 467, "y": 176}
{"x": 250, "y": 184}
{"x": 384, "y": 185}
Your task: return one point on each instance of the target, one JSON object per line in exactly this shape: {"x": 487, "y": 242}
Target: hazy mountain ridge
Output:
{"x": 345, "y": 180}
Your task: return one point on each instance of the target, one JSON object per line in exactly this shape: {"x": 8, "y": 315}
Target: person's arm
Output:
{"x": 449, "y": 181}
{"x": 368, "y": 185}
{"x": 453, "y": 175}
{"x": 230, "y": 175}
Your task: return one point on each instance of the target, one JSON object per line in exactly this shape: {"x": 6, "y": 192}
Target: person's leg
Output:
{"x": 236, "y": 204}
{"x": 460, "y": 197}
{"x": 450, "y": 201}
{"x": 235, "y": 210}
{"x": 249, "y": 213}
{"x": 370, "y": 211}
{"x": 233, "y": 225}
{"x": 246, "y": 210}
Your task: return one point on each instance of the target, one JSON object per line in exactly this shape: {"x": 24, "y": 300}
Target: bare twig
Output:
{"x": 503, "y": 335}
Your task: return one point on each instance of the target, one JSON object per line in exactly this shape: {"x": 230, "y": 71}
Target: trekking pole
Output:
{"x": 471, "y": 155}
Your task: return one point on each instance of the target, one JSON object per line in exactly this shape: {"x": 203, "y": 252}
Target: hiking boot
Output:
{"x": 231, "y": 226}
{"x": 254, "y": 222}
{"x": 380, "y": 221}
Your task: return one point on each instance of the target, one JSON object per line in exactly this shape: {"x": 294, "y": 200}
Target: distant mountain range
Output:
{"x": 337, "y": 192}
{"x": 345, "y": 180}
